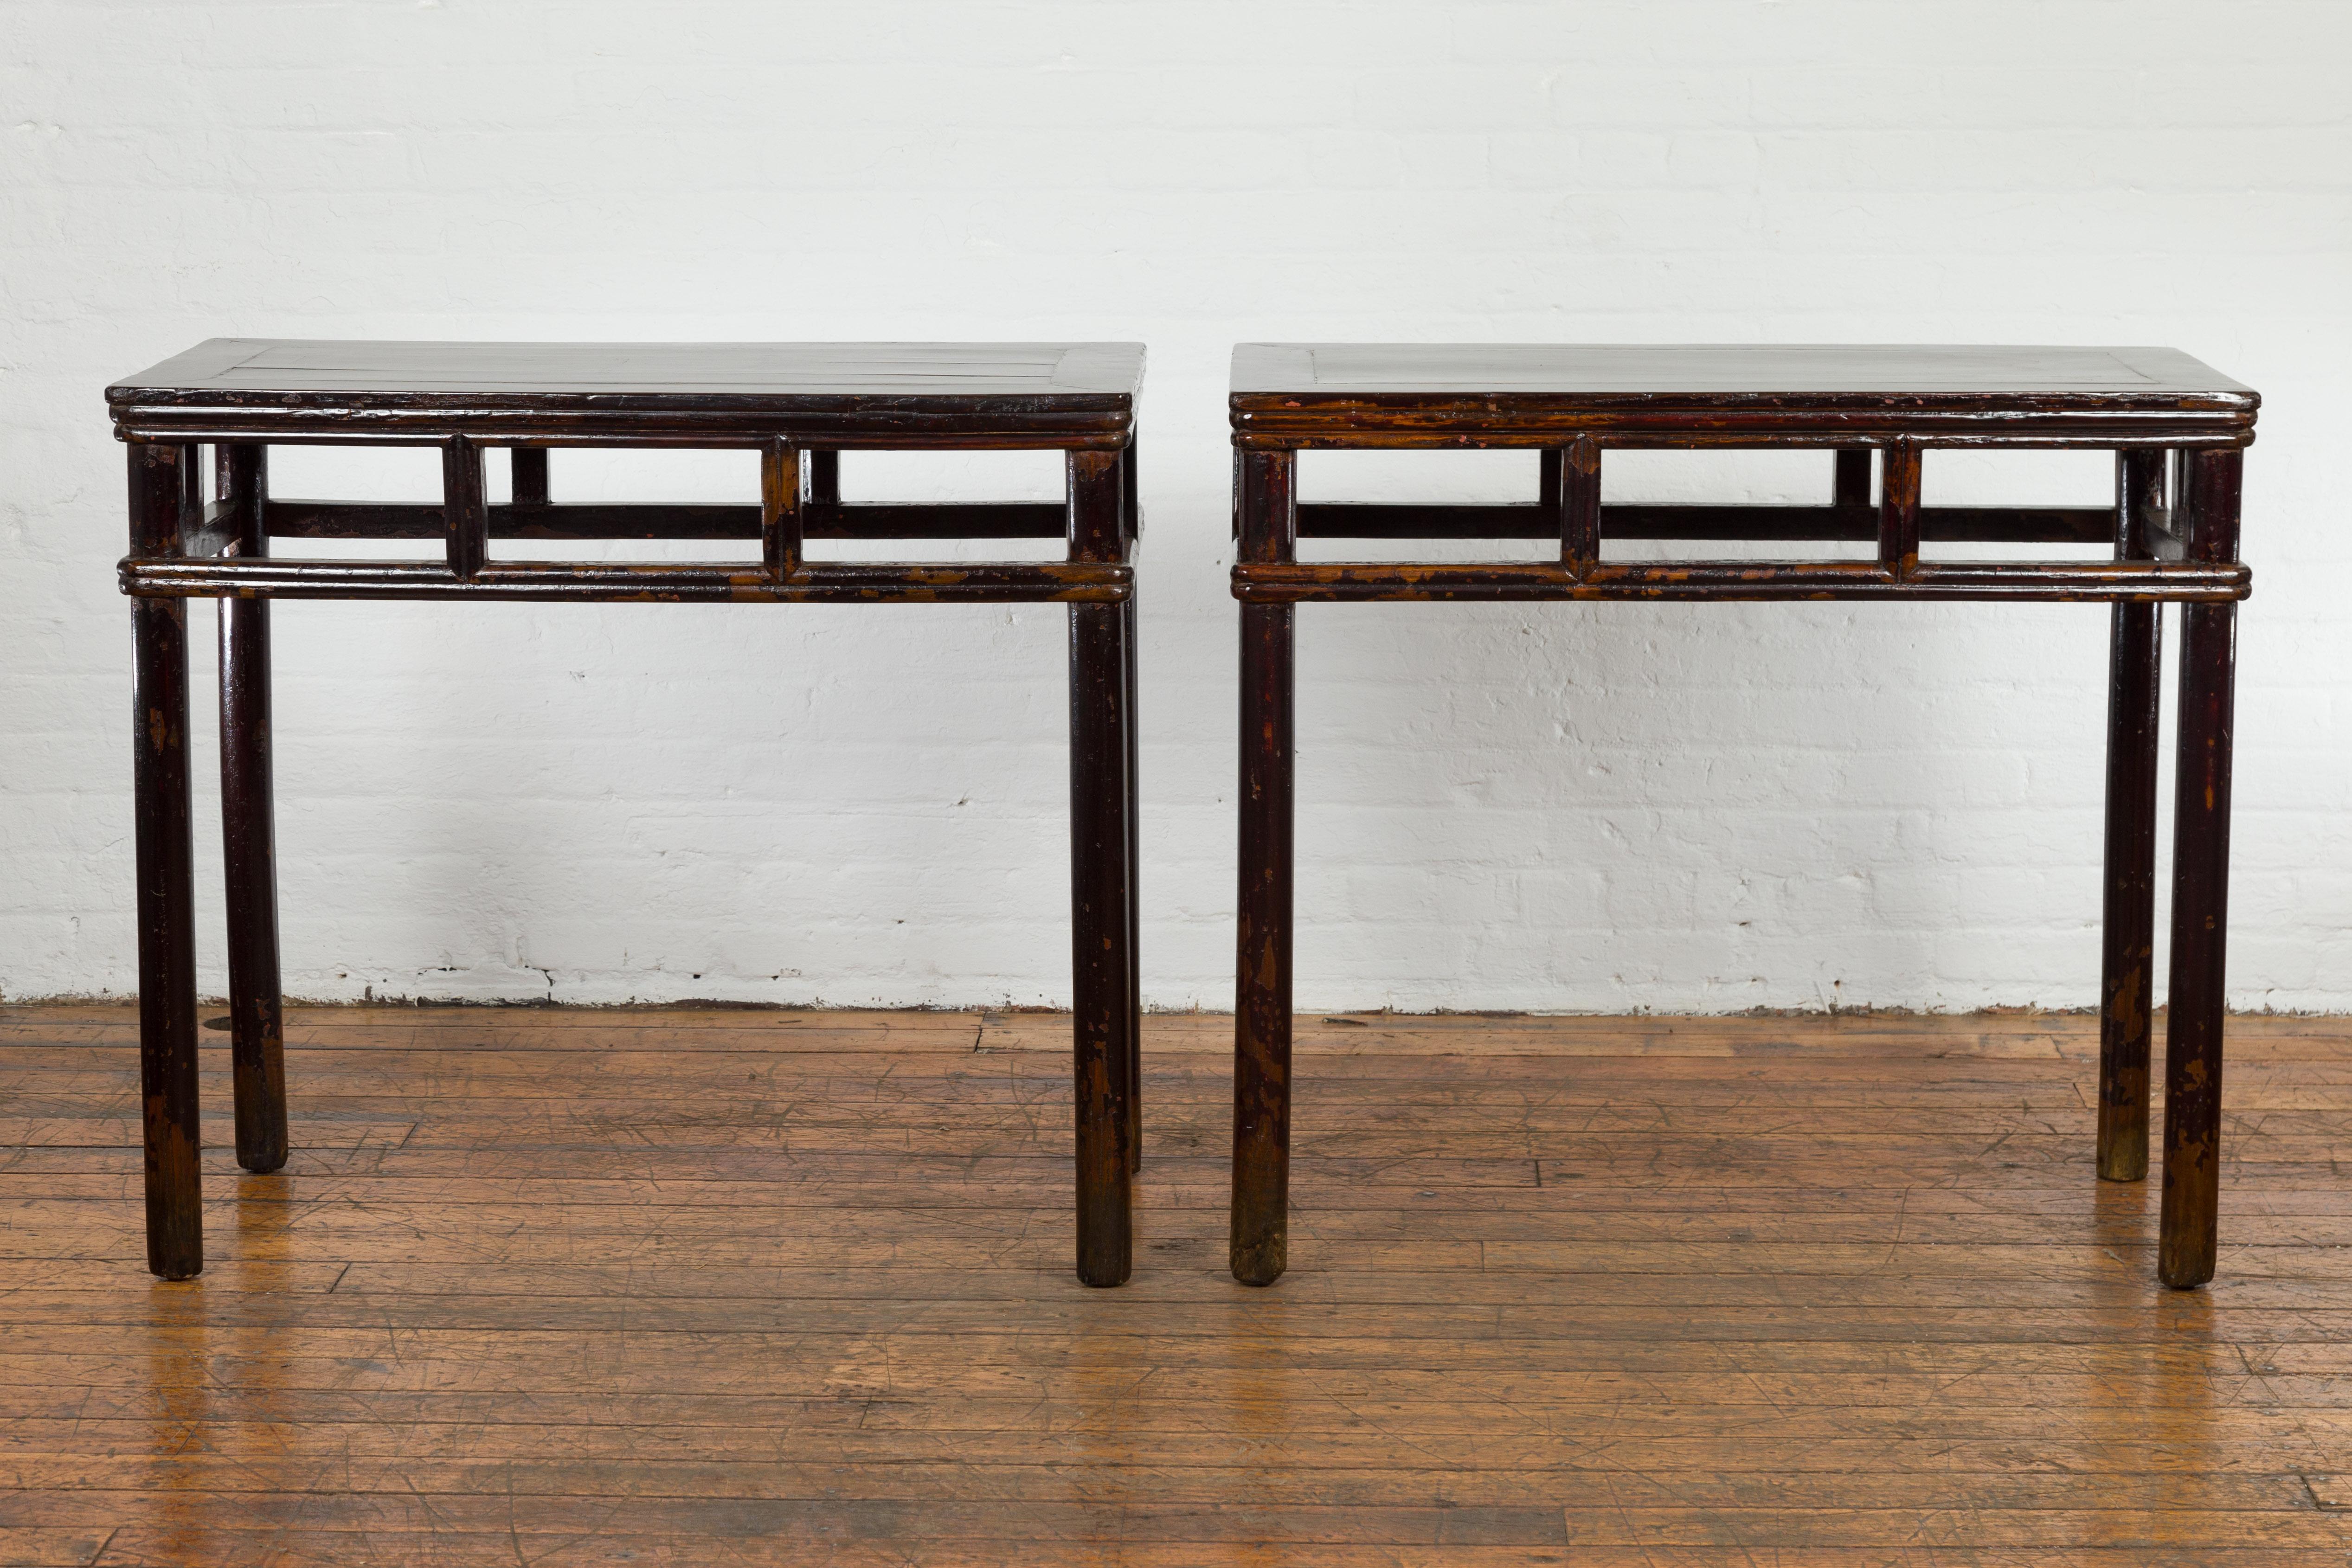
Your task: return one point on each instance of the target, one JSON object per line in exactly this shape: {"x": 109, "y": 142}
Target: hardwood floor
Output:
{"x": 719, "y": 1288}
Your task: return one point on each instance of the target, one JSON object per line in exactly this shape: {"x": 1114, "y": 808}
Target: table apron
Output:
{"x": 2138, "y": 582}
{"x": 1773, "y": 524}
{"x": 865, "y": 430}
{"x": 1380, "y": 429}
{"x": 293, "y": 519}
{"x": 976, "y": 583}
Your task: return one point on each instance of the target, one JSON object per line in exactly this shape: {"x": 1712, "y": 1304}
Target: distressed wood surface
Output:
{"x": 2210, "y": 483}
{"x": 654, "y": 519}
{"x": 164, "y": 496}
{"x": 239, "y": 394}
{"x": 2127, "y": 911}
{"x": 1461, "y": 582}
{"x": 733, "y": 1286}
{"x": 1289, "y": 395}
{"x": 1545, "y": 519}
{"x": 561, "y": 582}
{"x": 1265, "y": 510}
{"x": 249, "y": 831}
{"x": 1574, "y": 403}
{"x": 343, "y": 373}
{"x": 829, "y": 394}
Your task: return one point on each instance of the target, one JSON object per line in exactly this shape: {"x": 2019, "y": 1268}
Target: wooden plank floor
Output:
{"x": 683, "y": 1288}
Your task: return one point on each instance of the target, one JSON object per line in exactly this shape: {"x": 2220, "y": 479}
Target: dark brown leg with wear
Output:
{"x": 249, "y": 833}
{"x": 1099, "y": 846}
{"x": 160, "y": 487}
{"x": 1134, "y": 726}
{"x": 1259, "y": 1241}
{"x": 2189, "y": 1236}
{"x": 2127, "y": 949}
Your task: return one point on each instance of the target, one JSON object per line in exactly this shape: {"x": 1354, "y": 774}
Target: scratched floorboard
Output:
{"x": 718, "y": 1286}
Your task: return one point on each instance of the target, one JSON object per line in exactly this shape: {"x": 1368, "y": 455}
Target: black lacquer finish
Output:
{"x": 2128, "y": 919}
{"x": 798, "y": 406}
{"x": 249, "y": 833}
{"x": 1572, "y": 405}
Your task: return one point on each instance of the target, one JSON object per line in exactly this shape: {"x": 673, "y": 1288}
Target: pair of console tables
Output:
{"x": 2178, "y": 430}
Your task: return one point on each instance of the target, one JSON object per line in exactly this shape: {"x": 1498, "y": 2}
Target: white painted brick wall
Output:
{"x": 1594, "y": 807}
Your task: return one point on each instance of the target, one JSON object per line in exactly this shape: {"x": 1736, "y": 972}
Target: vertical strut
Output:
{"x": 780, "y": 508}
{"x": 1898, "y": 510}
{"x": 1579, "y": 505}
{"x": 465, "y": 511}
{"x": 823, "y": 470}
{"x": 1851, "y": 486}
{"x": 529, "y": 467}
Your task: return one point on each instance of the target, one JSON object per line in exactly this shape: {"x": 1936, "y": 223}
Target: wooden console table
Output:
{"x": 799, "y": 405}
{"x": 2178, "y": 430}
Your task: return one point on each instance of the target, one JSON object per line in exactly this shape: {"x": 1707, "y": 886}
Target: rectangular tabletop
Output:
{"x": 869, "y": 394}
{"x": 1290, "y": 394}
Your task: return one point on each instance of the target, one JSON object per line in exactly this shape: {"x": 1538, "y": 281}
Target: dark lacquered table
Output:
{"x": 2178, "y": 430}
{"x": 799, "y": 405}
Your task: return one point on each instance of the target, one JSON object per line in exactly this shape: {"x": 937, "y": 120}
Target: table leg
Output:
{"x": 1265, "y": 501}
{"x": 2189, "y": 1236}
{"x": 2128, "y": 952}
{"x": 167, "y": 877}
{"x": 1259, "y": 1249}
{"x": 1133, "y": 727}
{"x": 248, "y": 837}
{"x": 1100, "y": 842}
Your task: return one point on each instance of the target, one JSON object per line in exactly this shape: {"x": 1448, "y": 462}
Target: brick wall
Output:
{"x": 1591, "y": 807}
